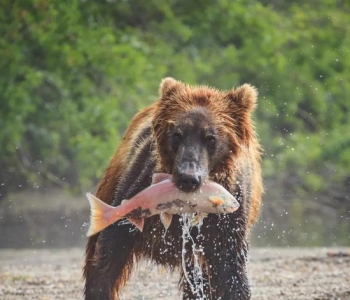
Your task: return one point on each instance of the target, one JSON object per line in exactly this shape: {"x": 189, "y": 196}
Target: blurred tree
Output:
{"x": 70, "y": 83}
{"x": 74, "y": 73}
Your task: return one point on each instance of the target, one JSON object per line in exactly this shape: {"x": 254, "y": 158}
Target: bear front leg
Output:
{"x": 228, "y": 276}
{"x": 226, "y": 259}
{"x": 194, "y": 285}
{"x": 111, "y": 264}
{"x": 224, "y": 278}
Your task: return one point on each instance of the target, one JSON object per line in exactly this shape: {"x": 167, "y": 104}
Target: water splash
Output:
{"x": 190, "y": 220}
{"x": 127, "y": 222}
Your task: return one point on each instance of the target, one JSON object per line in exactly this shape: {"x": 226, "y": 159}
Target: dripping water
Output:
{"x": 190, "y": 220}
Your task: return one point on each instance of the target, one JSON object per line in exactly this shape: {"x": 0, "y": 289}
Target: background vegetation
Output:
{"x": 73, "y": 73}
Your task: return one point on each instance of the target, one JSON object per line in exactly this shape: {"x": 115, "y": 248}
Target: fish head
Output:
{"x": 230, "y": 203}
{"x": 219, "y": 197}
{"x": 224, "y": 203}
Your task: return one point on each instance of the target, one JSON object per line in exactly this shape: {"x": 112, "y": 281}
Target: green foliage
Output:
{"x": 71, "y": 86}
{"x": 73, "y": 73}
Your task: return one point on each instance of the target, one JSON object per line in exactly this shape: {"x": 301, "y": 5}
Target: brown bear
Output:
{"x": 194, "y": 133}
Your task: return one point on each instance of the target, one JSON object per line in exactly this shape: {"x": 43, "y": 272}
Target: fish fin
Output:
{"x": 138, "y": 223}
{"x": 99, "y": 211}
{"x": 198, "y": 218}
{"x": 166, "y": 219}
{"x": 159, "y": 177}
{"x": 216, "y": 200}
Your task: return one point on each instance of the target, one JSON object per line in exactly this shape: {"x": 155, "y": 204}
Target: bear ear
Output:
{"x": 244, "y": 97}
{"x": 168, "y": 85}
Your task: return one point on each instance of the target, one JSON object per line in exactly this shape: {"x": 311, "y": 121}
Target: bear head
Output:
{"x": 201, "y": 132}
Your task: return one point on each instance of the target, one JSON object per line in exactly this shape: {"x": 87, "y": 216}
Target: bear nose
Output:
{"x": 189, "y": 182}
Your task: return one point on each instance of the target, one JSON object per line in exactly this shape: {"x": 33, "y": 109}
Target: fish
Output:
{"x": 164, "y": 198}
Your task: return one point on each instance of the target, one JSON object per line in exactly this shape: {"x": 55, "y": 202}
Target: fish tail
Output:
{"x": 99, "y": 215}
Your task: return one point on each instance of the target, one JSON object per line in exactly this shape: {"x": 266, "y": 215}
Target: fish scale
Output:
{"x": 164, "y": 198}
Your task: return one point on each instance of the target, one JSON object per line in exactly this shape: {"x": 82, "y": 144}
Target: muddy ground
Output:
{"x": 275, "y": 274}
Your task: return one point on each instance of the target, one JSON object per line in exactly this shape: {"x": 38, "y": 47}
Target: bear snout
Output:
{"x": 188, "y": 177}
{"x": 189, "y": 182}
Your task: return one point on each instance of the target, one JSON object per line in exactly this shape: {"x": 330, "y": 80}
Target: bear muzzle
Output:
{"x": 188, "y": 177}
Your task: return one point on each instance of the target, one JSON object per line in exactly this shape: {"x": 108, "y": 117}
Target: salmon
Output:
{"x": 164, "y": 198}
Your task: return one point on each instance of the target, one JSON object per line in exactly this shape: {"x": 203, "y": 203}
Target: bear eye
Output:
{"x": 177, "y": 138}
{"x": 211, "y": 142}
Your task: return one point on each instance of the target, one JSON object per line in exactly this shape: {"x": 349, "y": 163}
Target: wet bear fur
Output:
{"x": 208, "y": 133}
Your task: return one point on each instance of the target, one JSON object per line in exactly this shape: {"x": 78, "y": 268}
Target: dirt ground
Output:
{"x": 275, "y": 274}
